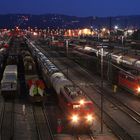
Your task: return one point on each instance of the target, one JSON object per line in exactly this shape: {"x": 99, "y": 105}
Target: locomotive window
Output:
{"x": 76, "y": 106}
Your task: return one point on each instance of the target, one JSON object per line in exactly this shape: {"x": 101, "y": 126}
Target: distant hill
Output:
{"x": 64, "y": 21}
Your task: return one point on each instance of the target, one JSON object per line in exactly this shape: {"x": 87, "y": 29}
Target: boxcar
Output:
{"x": 9, "y": 82}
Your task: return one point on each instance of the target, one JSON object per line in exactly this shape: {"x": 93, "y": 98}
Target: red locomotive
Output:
{"x": 77, "y": 107}
{"x": 130, "y": 82}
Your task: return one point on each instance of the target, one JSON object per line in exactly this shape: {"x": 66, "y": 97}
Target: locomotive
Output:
{"x": 77, "y": 107}
{"x": 130, "y": 82}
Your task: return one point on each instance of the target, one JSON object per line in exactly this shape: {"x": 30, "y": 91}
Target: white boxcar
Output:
{"x": 9, "y": 81}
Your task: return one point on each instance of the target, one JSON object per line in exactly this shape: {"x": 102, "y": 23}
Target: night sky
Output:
{"x": 72, "y": 7}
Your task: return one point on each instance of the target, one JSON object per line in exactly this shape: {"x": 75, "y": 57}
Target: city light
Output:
{"x": 116, "y": 27}
{"x": 35, "y": 34}
{"x": 103, "y": 29}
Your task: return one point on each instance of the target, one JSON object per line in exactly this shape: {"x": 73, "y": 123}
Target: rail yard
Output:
{"x": 65, "y": 89}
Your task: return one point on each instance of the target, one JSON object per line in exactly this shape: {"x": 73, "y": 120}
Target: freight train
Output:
{"x": 35, "y": 86}
{"x": 77, "y": 107}
{"x": 127, "y": 75}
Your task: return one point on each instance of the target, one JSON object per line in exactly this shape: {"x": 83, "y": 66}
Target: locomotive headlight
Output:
{"x": 138, "y": 89}
{"x": 82, "y": 102}
{"x": 75, "y": 118}
{"x": 89, "y": 118}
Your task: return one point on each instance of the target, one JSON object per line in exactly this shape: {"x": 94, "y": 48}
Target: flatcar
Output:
{"x": 9, "y": 82}
{"x": 130, "y": 82}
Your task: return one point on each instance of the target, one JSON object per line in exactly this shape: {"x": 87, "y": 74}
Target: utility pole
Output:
{"x": 110, "y": 28}
{"x": 110, "y": 23}
{"x": 102, "y": 53}
{"x": 67, "y": 45}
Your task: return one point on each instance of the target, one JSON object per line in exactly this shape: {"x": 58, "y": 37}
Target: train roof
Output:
{"x": 11, "y": 68}
{"x": 73, "y": 90}
{"x": 75, "y": 93}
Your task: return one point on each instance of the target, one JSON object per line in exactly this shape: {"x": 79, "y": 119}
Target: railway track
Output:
{"x": 128, "y": 110}
{"x": 42, "y": 124}
{"x": 7, "y": 121}
{"x": 84, "y": 137}
{"x": 125, "y": 108}
{"x": 119, "y": 130}
{"x": 133, "y": 114}
{"x": 117, "y": 103}
{"x": 48, "y": 122}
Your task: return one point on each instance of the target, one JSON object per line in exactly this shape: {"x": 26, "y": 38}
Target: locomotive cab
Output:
{"x": 82, "y": 109}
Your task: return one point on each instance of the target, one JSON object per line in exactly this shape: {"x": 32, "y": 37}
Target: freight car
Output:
{"x": 35, "y": 86}
{"x": 12, "y": 60}
{"x": 9, "y": 82}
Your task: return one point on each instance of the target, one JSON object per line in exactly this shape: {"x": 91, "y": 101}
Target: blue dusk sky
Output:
{"x": 82, "y": 8}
